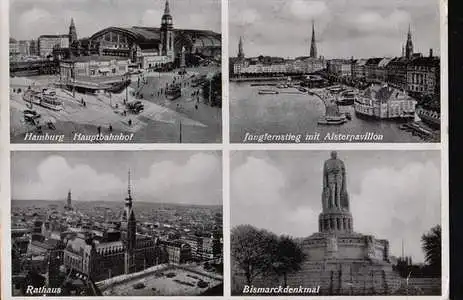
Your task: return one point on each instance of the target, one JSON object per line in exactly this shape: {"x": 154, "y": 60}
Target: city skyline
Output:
{"x": 362, "y": 29}
{"x": 291, "y": 200}
{"x": 31, "y": 18}
{"x": 170, "y": 177}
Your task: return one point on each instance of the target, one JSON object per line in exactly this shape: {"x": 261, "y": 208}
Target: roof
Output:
{"x": 95, "y": 58}
{"x": 384, "y": 93}
{"x": 12, "y": 40}
{"x": 373, "y": 61}
{"x": 148, "y": 36}
{"x": 425, "y": 61}
{"x": 384, "y": 62}
{"x": 54, "y": 36}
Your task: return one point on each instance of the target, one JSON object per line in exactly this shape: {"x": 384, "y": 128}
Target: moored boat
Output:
{"x": 332, "y": 120}
{"x": 267, "y": 92}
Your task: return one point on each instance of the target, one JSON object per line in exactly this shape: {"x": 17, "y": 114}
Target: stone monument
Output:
{"x": 339, "y": 260}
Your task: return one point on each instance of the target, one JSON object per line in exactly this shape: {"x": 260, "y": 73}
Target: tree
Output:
{"x": 431, "y": 244}
{"x": 215, "y": 89}
{"x": 251, "y": 250}
{"x": 288, "y": 257}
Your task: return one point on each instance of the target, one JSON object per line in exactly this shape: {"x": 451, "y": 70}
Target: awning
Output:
{"x": 104, "y": 70}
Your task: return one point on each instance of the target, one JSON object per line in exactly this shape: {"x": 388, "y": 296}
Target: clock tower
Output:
{"x": 167, "y": 33}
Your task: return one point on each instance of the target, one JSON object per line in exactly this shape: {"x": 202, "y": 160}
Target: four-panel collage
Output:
{"x": 140, "y": 157}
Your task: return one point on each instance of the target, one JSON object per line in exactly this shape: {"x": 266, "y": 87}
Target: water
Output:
{"x": 298, "y": 114}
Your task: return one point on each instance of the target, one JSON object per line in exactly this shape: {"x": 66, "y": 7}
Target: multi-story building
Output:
{"x": 178, "y": 252}
{"x": 46, "y": 43}
{"x": 396, "y": 71}
{"x": 358, "y": 68}
{"x": 340, "y": 67}
{"x": 371, "y": 69}
{"x": 14, "y": 47}
{"x": 423, "y": 75}
{"x": 24, "y": 48}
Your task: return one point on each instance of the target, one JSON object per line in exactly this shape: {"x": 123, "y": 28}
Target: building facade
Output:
{"x": 46, "y": 43}
{"x": 88, "y": 67}
{"x": 423, "y": 76}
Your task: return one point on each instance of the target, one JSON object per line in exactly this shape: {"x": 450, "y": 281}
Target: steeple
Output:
{"x": 313, "y": 46}
{"x": 166, "y": 8}
{"x": 128, "y": 200}
{"x": 167, "y": 34}
{"x": 72, "y": 32}
{"x": 240, "y": 49}
{"x": 68, "y": 200}
{"x": 131, "y": 228}
{"x": 409, "y": 44}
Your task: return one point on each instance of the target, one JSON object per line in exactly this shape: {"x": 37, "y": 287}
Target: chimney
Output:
{"x": 430, "y": 52}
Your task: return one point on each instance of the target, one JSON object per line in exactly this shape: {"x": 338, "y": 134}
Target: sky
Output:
{"x": 178, "y": 177}
{"x": 31, "y": 18}
{"x": 360, "y": 28}
{"x": 394, "y": 195}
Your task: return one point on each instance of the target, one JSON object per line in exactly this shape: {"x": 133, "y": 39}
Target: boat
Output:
{"x": 346, "y": 98}
{"x": 303, "y": 89}
{"x": 432, "y": 118}
{"x": 46, "y": 98}
{"x": 282, "y": 86}
{"x": 173, "y": 92}
{"x": 267, "y": 92}
{"x": 332, "y": 120}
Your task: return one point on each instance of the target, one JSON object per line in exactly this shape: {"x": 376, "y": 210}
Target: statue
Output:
{"x": 332, "y": 246}
{"x": 334, "y": 184}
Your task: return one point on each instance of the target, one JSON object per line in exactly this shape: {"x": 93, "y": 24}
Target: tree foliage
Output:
{"x": 432, "y": 246}
{"x": 259, "y": 252}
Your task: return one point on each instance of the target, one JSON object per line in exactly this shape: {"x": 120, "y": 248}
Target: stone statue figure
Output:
{"x": 334, "y": 184}
{"x": 370, "y": 243}
{"x": 331, "y": 246}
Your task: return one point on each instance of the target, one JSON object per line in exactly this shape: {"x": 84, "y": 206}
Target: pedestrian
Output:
{"x": 130, "y": 122}
{"x": 99, "y": 130}
{"x": 196, "y": 106}
{"x": 110, "y": 128}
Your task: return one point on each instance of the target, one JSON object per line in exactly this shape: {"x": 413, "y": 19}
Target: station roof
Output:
{"x": 143, "y": 35}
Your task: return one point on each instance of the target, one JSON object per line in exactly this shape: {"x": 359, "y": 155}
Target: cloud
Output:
{"x": 373, "y": 21}
{"x": 151, "y": 17}
{"x": 400, "y": 206}
{"x": 307, "y": 9}
{"x": 196, "y": 181}
{"x": 244, "y": 17}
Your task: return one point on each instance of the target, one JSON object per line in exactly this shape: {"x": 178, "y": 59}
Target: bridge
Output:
{"x": 36, "y": 67}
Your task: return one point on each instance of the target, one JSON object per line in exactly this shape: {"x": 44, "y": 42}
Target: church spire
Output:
{"x": 240, "y": 49}
{"x": 72, "y": 32}
{"x": 166, "y": 8}
{"x": 129, "y": 189}
{"x": 409, "y": 44}
{"x": 313, "y": 46}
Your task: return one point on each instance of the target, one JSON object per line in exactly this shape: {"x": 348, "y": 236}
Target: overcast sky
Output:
{"x": 344, "y": 28}
{"x": 393, "y": 194}
{"x": 31, "y": 18}
{"x": 157, "y": 176}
